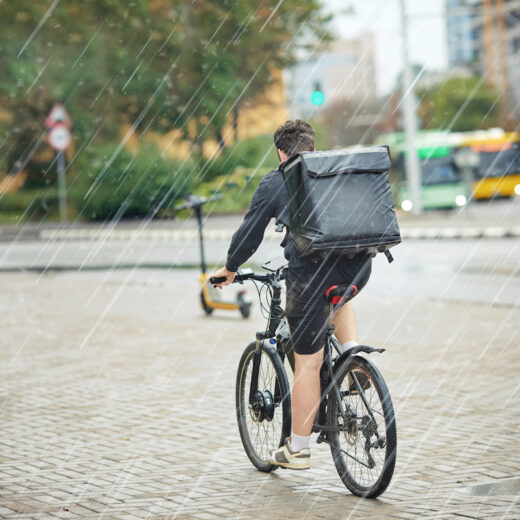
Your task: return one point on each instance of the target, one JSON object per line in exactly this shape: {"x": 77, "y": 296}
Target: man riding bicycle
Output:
{"x": 307, "y": 279}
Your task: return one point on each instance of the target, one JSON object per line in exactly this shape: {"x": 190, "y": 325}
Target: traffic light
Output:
{"x": 317, "y": 96}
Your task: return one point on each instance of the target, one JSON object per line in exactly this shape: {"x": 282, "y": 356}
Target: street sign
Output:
{"x": 58, "y": 124}
{"x": 59, "y": 136}
{"x": 58, "y": 114}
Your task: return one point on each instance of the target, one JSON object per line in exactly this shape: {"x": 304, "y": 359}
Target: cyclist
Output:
{"x": 307, "y": 279}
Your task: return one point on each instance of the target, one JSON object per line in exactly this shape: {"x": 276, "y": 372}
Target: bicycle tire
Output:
{"x": 359, "y": 480}
{"x": 273, "y": 379}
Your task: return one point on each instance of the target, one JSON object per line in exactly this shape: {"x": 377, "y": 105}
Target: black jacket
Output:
{"x": 270, "y": 200}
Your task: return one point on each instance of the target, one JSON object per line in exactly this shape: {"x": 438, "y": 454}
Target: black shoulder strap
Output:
{"x": 389, "y": 256}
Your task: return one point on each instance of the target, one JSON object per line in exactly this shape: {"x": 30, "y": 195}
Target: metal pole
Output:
{"x": 198, "y": 212}
{"x": 410, "y": 121}
{"x": 61, "y": 186}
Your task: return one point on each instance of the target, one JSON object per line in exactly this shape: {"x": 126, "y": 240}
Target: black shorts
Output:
{"x": 307, "y": 308}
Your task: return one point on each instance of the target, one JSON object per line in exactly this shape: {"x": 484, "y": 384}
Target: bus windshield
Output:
{"x": 497, "y": 164}
{"x": 439, "y": 170}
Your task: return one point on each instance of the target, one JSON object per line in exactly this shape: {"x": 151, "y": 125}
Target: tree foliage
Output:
{"x": 152, "y": 64}
{"x": 460, "y": 104}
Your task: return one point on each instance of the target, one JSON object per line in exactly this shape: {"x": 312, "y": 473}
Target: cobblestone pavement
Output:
{"x": 117, "y": 401}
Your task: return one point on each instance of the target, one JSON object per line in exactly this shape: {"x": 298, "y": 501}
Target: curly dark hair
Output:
{"x": 294, "y": 136}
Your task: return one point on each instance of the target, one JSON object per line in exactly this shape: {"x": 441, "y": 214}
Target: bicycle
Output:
{"x": 355, "y": 409}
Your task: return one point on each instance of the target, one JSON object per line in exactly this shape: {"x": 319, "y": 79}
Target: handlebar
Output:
{"x": 216, "y": 279}
{"x": 192, "y": 201}
{"x": 247, "y": 274}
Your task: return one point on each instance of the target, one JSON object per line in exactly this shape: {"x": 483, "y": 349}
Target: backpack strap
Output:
{"x": 389, "y": 256}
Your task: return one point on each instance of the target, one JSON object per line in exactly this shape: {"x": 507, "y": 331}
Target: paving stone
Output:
{"x": 126, "y": 409}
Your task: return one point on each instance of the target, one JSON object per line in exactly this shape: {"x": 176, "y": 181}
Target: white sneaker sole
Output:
{"x": 289, "y": 465}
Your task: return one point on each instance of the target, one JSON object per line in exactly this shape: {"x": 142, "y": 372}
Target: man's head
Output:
{"x": 293, "y": 137}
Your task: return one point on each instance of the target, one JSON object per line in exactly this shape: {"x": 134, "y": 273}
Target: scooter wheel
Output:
{"x": 243, "y": 306}
{"x": 207, "y": 309}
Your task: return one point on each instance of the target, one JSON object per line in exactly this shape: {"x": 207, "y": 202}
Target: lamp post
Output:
{"x": 410, "y": 121}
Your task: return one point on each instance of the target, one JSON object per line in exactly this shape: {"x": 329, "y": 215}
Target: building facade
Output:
{"x": 464, "y": 33}
{"x": 484, "y": 35}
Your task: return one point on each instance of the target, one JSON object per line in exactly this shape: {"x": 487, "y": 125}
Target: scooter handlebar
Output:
{"x": 196, "y": 201}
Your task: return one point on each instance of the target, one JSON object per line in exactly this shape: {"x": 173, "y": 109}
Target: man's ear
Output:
{"x": 282, "y": 156}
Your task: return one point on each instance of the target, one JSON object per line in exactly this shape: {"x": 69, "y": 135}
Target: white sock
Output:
{"x": 299, "y": 443}
{"x": 348, "y": 344}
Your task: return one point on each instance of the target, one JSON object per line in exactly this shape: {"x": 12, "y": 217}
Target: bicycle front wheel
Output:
{"x": 264, "y": 407}
{"x": 363, "y": 435}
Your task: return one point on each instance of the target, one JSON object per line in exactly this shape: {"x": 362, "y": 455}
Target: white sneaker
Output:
{"x": 286, "y": 458}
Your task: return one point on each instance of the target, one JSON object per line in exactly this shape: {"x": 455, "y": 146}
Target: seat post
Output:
{"x": 331, "y": 315}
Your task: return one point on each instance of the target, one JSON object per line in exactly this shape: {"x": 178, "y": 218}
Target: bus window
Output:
{"x": 439, "y": 170}
{"x": 499, "y": 163}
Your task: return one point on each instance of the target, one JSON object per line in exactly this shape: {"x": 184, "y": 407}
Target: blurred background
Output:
{"x": 113, "y": 111}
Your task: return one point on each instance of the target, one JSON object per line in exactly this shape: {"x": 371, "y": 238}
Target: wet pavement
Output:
{"x": 117, "y": 398}
{"x": 483, "y": 271}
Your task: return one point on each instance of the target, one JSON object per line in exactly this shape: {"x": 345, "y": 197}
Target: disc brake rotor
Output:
{"x": 351, "y": 432}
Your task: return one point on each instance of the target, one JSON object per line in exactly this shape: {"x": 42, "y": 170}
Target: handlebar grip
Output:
{"x": 217, "y": 279}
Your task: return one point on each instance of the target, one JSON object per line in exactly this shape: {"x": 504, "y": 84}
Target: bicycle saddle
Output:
{"x": 339, "y": 294}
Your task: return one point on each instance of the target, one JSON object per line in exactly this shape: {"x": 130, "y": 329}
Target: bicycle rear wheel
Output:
{"x": 265, "y": 420}
{"x": 363, "y": 437}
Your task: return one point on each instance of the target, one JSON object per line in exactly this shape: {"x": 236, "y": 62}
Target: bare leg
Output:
{"x": 345, "y": 321}
{"x": 306, "y": 392}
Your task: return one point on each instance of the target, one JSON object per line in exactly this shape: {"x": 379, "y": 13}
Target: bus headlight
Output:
{"x": 460, "y": 200}
{"x": 517, "y": 189}
{"x": 407, "y": 205}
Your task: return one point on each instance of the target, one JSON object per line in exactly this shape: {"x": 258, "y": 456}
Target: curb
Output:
{"x": 222, "y": 234}
{"x": 464, "y": 232}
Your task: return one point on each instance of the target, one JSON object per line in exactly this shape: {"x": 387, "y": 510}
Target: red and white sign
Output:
{"x": 59, "y": 136}
{"x": 58, "y": 114}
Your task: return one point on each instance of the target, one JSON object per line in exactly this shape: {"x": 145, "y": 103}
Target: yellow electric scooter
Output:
{"x": 212, "y": 298}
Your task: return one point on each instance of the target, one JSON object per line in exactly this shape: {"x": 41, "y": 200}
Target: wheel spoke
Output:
{"x": 355, "y": 458}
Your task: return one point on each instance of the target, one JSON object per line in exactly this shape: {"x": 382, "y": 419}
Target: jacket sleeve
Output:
{"x": 249, "y": 235}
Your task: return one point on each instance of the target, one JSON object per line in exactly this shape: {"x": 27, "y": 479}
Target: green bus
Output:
{"x": 442, "y": 185}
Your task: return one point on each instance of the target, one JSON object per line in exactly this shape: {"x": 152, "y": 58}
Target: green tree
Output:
{"x": 235, "y": 46}
{"x": 460, "y": 104}
{"x": 107, "y": 62}
{"x": 153, "y": 64}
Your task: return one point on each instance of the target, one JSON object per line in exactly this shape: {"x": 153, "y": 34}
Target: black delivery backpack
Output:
{"x": 340, "y": 201}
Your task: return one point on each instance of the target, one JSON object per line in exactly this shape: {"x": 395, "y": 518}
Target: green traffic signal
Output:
{"x": 317, "y": 97}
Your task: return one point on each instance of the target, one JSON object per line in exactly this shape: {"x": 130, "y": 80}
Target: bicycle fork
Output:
{"x": 275, "y": 316}
{"x": 257, "y": 358}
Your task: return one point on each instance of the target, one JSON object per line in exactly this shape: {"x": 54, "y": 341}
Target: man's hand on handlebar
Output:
{"x": 223, "y": 273}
